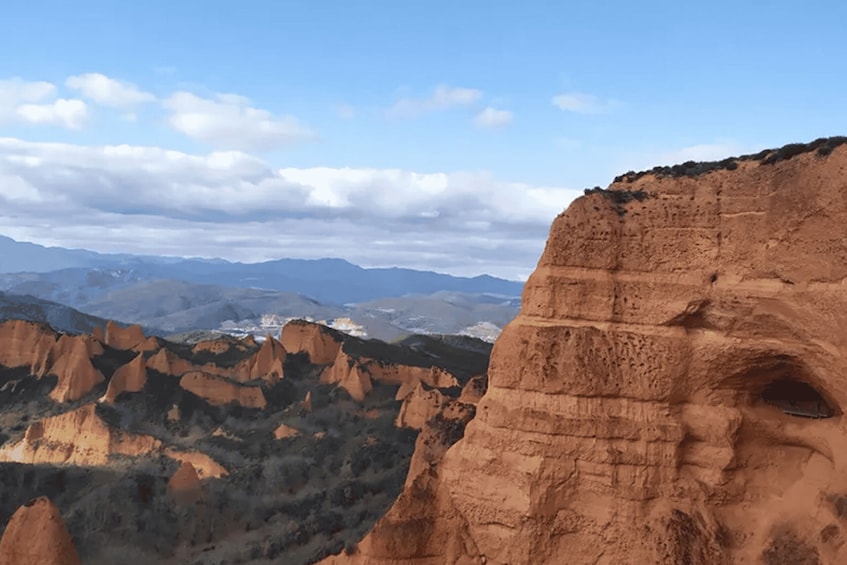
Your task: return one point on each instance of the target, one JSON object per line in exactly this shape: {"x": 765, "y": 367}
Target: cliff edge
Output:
{"x": 673, "y": 388}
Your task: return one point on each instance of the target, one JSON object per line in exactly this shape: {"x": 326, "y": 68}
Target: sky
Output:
{"x": 432, "y": 135}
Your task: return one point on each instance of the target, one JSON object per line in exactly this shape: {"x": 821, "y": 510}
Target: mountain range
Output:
{"x": 172, "y": 295}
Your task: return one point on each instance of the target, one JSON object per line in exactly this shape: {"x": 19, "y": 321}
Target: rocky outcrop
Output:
{"x": 284, "y": 432}
{"x": 203, "y": 465}
{"x": 78, "y": 437}
{"x": 319, "y": 342}
{"x": 350, "y": 375}
{"x": 150, "y": 343}
{"x": 397, "y": 538}
{"x": 421, "y": 404}
{"x": 643, "y": 407}
{"x": 266, "y": 364}
{"x": 220, "y": 391}
{"x": 437, "y": 435}
{"x": 26, "y": 344}
{"x": 184, "y": 485}
{"x": 129, "y": 338}
{"x": 72, "y": 365}
{"x": 128, "y": 378}
{"x": 168, "y": 363}
{"x": 82, "y": 437}
{"x": 123, "y": 338}
{"x": 474, "y": 389}
{"x": 36, "y": 535}
{"x": 357, "y": 374}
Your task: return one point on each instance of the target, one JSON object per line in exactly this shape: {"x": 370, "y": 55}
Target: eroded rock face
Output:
{"x": 220, "y": 391}
{"x": 321, "y": 343}
{"x": 350, "y": 375}
{"x": 36, "y": 535}
{"x": 78, "y": 437}
{"x": 419, "y": 406}
{"x": 129, "y": 378}
{"x": 357, "y": 374}
{"x": 266, "y": 364}
{"x": 184, "y": 485}
{"x": 644, "y": 406}
{"x": 72, "y": 365}
{"x": 26, "y": 344}
{"x": 130, "y": 337}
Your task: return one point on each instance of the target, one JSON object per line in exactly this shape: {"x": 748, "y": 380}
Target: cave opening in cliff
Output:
{"x": 797, "y": 398}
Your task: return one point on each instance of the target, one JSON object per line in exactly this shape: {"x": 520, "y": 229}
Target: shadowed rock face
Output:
{"x": 39, "y": 349}
{"x": 129, "y": 378}
{"x": 672, "y": 391}
{"x": 319, "y": 342}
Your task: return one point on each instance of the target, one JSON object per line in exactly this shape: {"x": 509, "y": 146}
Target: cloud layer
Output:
{"x": 108, "y": 91}
{"x": 234, "y": 205}
{"x": 36, "y": 102}
{"x": 231, "y": 202}
{"x": 230, "y": 121}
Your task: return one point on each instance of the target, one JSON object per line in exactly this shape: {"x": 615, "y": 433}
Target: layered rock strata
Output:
{"x": 672, "y": 390}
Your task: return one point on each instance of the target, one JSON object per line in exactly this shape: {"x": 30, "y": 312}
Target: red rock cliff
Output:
{"x": 36, "y": 535}
{"x": 643, "y": 407}
{"x": 321, "y": 343}
{"x": 26, "y": 344}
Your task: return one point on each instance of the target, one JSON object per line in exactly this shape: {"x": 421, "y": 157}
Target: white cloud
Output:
{"x": 229, "y": 121}
{"x": 581, "y": 103}
{"x": 493, "y": 118}
{"x": 108, "y": 91}
{"x": 231, "y": 204}
{"x": 69, "y": 114}
{"x": 15, "y": 91}
{"x": 35, "y": 102}
{"x": 443, "y": 98}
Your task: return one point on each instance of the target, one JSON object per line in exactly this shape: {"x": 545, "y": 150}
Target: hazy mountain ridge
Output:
{"x": 330, "y": 281}
{"x": 59, "y": 316}
{"x": 181, "y": 295}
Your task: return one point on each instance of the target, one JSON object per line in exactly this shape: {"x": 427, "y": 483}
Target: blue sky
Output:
{"x": 508, "y": 110}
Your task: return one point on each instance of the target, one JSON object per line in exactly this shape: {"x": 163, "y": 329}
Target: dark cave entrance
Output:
{"x": 798, "y": 399}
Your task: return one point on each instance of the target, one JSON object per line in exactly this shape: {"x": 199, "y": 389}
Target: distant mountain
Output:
{"x": 179, "y": 306}
{"x": 17, "y": 256}
{"x": 85, "y": 274}
{"x": 181, "y": 295}
{"x": 62, "y": 318}
{"x": 439, "y": 313}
